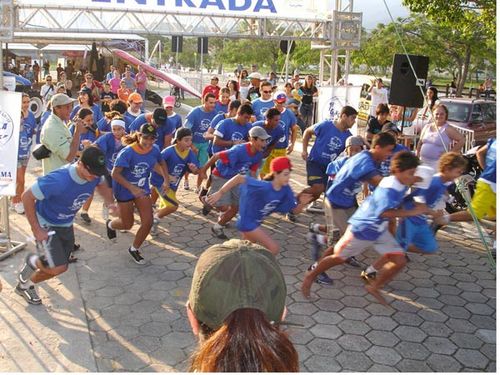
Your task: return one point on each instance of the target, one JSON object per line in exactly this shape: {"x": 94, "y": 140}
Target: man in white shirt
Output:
{"x": 378, "y": 94}
{"x": 47, "y": 90}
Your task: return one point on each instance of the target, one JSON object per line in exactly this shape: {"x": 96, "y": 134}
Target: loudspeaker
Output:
{"x": 203, "y": 45}
{"x": 405, "y": 87}
{"x": 176, "y": 43}
{"x": 287, "y": 44}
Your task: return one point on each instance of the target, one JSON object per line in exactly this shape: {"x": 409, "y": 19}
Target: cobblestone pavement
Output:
{"x": 109, "y": 314}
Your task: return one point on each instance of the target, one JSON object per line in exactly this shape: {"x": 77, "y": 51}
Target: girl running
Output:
{"x": 130, "y": 174}
{"x": 179, "y": 159}
{"x": 259, "y": 199}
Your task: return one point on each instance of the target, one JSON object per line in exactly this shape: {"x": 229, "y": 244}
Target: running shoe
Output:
{"x": 219, "y": 233}
{"x": 85, "y": 217}
{"x": 76, "y": 247}
{"x": 352, "y": 261}
{"x": 368, "y": 276}
{"x": 136, "y": 256}
{"x": 110, "y": 232}
{"x": 311, "y": 228}
{"x": 292, "y": 217}
{"x": 26, "y": 271}
{"x": 324, "y": 279}
{"x": 154, "y": 227}
{"x": 206, "y": 207}
{"x": 29, "y": 294}
{"x": 314, "y": 207}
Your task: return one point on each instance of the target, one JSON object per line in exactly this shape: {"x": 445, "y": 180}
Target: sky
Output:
{"x": 374, "y": 11}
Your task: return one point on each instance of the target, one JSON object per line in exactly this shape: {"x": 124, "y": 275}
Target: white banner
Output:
{"x": 10, "y": 122}
{"x": 9, "y": 83}
{"x": 304, "y": 9}
{"x": 331, "y": 99}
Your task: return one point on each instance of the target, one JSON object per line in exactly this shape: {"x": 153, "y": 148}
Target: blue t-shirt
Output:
{"x": 166, "y": 129}
{"x": 175, "y": 120}
{"x": 198, "y": 121}
{"x": 89, "y": 135}
{"x": 110, "y": 146}
{"x": 221, "y": 108}
{"x": 60, "y": 194}
{"x": 96, "y": 110}
{"x": 276, "y": 134}
{"x": 430, "y": 196}
{"x": 45, "y": 116}
{"x": 333, "y": 168}
{"x": 385, "y": 166}
{"x": 26, "y": 131}
{"x": 260, "y": 108}
{"x": 330, "y": 142}
{"x": 347, "y": 181}
{"x": 177, "y": 165}
{"x": 258, "y": 199}
{"x": 104, "y": 125}
{"x": 137, "y": 167}
{"x": 229, "y": 130}
{"x": 287, "y": 121}
{"x": 367, "y": 223}
{"x": 129, "y": 119}
{"x": 490, "y": 170}
{"x": 237, "y": 160}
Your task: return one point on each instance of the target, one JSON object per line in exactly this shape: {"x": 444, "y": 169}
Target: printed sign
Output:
{"x": 333, "y": 98}
{"x": 10, "y": 121}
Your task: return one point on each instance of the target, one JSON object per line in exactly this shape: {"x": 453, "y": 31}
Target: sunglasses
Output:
{"x": 267, "y": 92}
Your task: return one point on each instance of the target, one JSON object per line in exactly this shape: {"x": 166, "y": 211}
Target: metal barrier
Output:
{"x": 469, "y": 137}
{"x": 7, "y": 247}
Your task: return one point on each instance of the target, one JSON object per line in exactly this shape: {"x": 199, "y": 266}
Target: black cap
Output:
{"x": 85, "y": 90}
{"x": 93, "y": 158}
{"x": 159, "y": 116}
{"x": 148, "y": 130}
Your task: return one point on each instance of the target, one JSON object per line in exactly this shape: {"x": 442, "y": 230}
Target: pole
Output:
{"x": 288, "y": 46}
{"x": 201, "y": 66}
{"x": 1, "y": 66}
{"x": 176, "y": 54}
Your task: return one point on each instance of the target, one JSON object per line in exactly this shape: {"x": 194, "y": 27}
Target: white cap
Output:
{"x": 61, "y": 99}
{"x": 118, "y": 122}
{"x": 255, "y": 75}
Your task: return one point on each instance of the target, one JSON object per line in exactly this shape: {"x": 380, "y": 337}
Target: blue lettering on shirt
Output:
{"x": 110, "y": 146}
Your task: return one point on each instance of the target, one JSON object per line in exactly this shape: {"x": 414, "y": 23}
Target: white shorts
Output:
{"x": 349, "y": 246}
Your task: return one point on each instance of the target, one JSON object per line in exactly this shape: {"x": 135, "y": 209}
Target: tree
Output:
{"x": 471, "y": 24}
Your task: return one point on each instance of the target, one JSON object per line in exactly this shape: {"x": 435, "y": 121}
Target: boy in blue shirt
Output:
{"x": 262, "y": 104}
{"x": 233, "y": 131}
{"x": 240, "y": 159}
{"x": 369, "y": 227}
{"x": 198, "y": 120}
{"x": 51, "y": 205}
{"x": 272, "y": 126}
{"x": 158, "y": 118}
{"x": 329, "y": 143}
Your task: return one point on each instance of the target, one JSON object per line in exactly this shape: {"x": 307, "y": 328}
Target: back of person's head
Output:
{"x": 235, "y": 104}
{"x": 381, "y": 109}
{"x": 451, "y": 160}
{"x": 237, "y": 298}
{"x": 348, "y": 111}
{"x": 245, "y": 109}
{"x": 271, "y": 112}
{"x": 383, "y": 140}
{"x": 403, "y": 161}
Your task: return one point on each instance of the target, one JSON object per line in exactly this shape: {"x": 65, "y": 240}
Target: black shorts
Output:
{"x": 59, "y": 246}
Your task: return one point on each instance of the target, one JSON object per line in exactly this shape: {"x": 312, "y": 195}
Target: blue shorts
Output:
{"x": 421, "y": 236}
{"x": 316, "y": 173}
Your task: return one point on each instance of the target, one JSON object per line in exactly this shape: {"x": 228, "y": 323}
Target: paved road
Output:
{"x": 109, "y": 314}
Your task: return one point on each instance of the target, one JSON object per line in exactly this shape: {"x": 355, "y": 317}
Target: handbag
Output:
{"x": 41, "y": 152}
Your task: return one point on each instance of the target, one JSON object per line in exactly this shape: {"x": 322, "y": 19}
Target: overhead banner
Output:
{"x": 303, "y": 9}
{"x": 10, "y": 121}
{"x": 332, "y": 98}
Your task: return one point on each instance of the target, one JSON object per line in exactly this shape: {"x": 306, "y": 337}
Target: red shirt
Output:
{"x": 212, "y": 89}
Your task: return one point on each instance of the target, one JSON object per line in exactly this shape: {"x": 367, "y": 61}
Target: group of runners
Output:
{"x": 137, "y": 161}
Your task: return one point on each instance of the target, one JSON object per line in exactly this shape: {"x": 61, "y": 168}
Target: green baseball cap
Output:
{"x": 234, "y": 275}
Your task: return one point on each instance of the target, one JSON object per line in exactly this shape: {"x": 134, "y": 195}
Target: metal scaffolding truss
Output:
{"x": 74, "y": 19}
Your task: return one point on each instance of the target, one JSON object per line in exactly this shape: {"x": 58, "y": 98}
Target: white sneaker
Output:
{"x": 19, "y": 208}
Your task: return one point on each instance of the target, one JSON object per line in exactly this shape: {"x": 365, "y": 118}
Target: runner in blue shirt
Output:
{"x": 174, "y": 118}
{"x": 158, "y": 118}
{"x": 179, "y": 158}
{"x": 51, "y": 204}
{"x": 272, "y": 126}
{"x": 135, "y": 102}
{"x": 262, "y": 104}
{"x": 369, "y": 227}
{"x": 131, "y": 173}
{"x": 240, "y": 159}
{"x": 117, "y": 108}
{"x": 26, "y": 132}
{"x": 198, "y": 120}
{"x": 222, "y": 105}
{"x": 259, "y": 199}
{"x": 288, "y": 123}
{"x": 233, "y": 131}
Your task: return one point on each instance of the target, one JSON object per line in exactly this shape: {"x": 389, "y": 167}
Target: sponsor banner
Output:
{"x": 9, "y": 83}
{"x": 331, "y": 99}
{"x": 10, "y": 121}
{"x": 303, "y": 9}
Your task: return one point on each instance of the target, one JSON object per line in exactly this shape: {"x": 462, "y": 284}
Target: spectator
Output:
{"x": 378, "y": 95}
{"x": 47, "y": 90}
{"x": 243, "y": 84}
{"x": 212, "y": 88}
{"x": 141, "y": 82}
{"x": 115, "y": 82}
{"x": 236, "y": 315}
{"x": 59, "y": 70}
{"x": 254, "y": 88}
{"x": 234, "y": 93}
{"x": 124, "y": 92}
{"x": 309, "y": 91}
{"x": 94, "y": 86}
